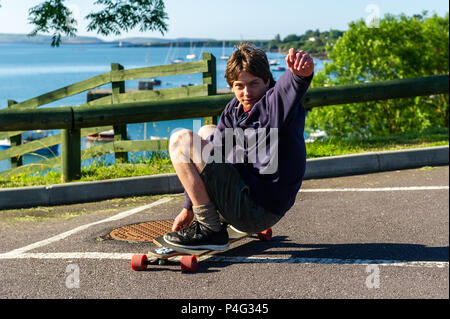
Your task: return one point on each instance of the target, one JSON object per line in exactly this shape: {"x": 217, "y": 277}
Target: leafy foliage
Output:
{"x": 311, "y": 41}
{"x": 126, "y": 15}
{"x": 114, "y": 17}
{"x": 52, "y": 15}
{"x": 401, "y": 47}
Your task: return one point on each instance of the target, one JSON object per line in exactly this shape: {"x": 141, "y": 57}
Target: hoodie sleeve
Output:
{"x": 187, "y": 202}
{"x": 285, "y": 96}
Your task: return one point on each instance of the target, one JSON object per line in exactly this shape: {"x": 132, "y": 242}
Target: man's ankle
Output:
{"x": 208, "y": 216}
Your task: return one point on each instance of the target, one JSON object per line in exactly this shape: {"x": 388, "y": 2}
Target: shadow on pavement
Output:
{"x": 282, "y": 246}
{"x": 282, "y": 250}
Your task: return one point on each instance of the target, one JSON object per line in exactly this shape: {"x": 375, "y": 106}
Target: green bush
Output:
{"x": 401, "y": 47}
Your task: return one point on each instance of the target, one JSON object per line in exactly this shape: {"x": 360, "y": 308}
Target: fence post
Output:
{"x": 209, "y": 78}
{"x": 15, "y": 141}
{"x": 120, "y": 131}
{"x": 70, "y": 155}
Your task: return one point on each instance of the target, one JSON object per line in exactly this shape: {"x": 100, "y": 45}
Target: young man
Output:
{"x": 248, "y": 170}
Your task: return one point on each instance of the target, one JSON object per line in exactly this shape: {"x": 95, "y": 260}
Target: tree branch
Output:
{"x": 115, "y": 16}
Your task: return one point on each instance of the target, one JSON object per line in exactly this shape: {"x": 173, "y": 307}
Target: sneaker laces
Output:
{"x": 192, "y": 229}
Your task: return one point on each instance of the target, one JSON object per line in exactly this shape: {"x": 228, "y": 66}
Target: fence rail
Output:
{"x": 27, "y": 111}
{"x": 126, "y": 108}
{"x": 138, "y": 112}
{"x": 114, "y": 76}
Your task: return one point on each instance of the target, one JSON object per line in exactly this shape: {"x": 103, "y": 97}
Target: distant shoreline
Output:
{"x": 141, "y": 42}
{"x": 228, "y": 43}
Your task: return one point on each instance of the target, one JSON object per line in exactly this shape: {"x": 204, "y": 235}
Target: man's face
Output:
{"x": 248, "y": 89}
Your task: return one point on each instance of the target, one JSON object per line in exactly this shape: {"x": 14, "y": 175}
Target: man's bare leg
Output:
{"x": 186, "y": 150}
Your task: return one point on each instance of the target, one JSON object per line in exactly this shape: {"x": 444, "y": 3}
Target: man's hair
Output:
{"x": 247, "y": 57}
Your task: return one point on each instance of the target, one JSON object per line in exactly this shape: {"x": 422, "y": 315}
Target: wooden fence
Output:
{"x": 120, "y": 147}
{"x": 191, "y": 102}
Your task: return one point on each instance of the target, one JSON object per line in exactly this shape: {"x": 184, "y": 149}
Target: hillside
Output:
{"x": 314, "y": 42}
{"x": 44, "y": 39}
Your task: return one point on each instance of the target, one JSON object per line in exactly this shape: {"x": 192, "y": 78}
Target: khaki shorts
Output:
{"x": 231, "y": 195}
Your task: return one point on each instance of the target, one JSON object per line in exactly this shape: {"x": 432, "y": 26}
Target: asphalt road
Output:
{"x": 382, "y": 235}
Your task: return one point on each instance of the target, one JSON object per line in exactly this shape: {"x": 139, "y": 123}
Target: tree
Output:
{"x": 277, "y": 39}
{"x": 401, "y": 47}
{"x": 52, "y": 16}
{"x": 291, "y": 38}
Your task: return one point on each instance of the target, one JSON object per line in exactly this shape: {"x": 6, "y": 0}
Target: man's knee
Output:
{"x": 180, "y": 140}
{"x": 206, "y": 130}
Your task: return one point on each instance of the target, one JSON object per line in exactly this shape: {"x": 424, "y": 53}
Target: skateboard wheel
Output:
{"x": 188, "y": 264}
{"x": 265, "y": 235}
{"x": 139, "y": 262}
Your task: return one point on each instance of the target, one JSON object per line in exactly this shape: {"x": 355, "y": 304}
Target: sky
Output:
{"x": 236, "y": 19}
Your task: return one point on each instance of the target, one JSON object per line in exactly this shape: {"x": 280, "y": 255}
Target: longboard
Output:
{"x": 161, "y": 251}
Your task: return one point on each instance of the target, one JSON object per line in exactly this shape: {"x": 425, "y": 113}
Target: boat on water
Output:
{"x": 186, "y": 85}
{"x": 279, "y": 69}
{"x": 316, "y": 135}
{"x": 105, "y": 136}
{"x": 99, "y": 138}
{"x": 155, "y": 81}
{"x": 30, "y": 137}
{"x": 223, "y": 56}
{"x": 37, "y": 135}
{"x": 178, "y": 60}
{"x": 191, "y": 55}
{"x": 273, "y": 62}
{"x": 5, "y": 144}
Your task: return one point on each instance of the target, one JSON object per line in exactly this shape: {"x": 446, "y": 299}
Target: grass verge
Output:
{"x": 160, "y": 162}
{"x": 334, "y": 147}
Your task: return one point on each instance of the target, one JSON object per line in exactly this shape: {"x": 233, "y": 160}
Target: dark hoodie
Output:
{"x": 274, "y": 124}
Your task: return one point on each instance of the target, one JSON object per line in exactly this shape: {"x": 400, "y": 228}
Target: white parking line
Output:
{"x": 379, "y": 189}
{"x": 332, "y": 261}
{"x": 17, "y": 252}
{"x": 74, "y": 255}
{"x": 242, "y": 259}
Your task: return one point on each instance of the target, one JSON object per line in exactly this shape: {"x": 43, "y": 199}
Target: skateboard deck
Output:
{"x": 161, "y": 251}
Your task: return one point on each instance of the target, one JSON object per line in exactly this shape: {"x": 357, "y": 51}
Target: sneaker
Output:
{"x": 198, "y": 236}
{"x": 238, "y": 231}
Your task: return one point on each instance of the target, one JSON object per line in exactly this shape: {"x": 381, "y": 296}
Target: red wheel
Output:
{"x": 139, "y": 262}
{"x": 265, "y": 235}
{"x": 189, "y": 264}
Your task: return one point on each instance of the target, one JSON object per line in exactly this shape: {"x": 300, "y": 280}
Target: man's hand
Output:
{"x": 183, "y": 220}
{"x": 300, "y": 63}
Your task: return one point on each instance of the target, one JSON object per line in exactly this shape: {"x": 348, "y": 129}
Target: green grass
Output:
{"x": 159, "y": 162}
{"x": 333, "y": 147}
